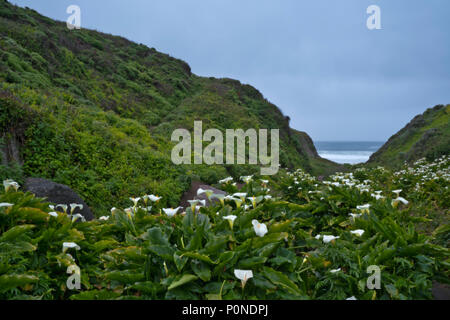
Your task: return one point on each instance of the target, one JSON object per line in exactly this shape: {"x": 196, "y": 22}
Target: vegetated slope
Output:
{"x": 427, "y": 135}
{"x": 96, "y": 112}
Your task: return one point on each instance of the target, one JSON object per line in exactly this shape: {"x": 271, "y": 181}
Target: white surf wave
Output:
{"x": 352, "y": 157}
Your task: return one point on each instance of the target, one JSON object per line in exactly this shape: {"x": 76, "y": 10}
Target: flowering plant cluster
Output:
{"x": 306, "y": 239}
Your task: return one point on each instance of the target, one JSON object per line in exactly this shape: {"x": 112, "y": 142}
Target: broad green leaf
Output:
{"x": 281, "y": 279}
{"x": 198, "y": 256}
{"x": 11, "y": 281}
{"x": 15, "y": 232}
{"x": 183, "y": 280}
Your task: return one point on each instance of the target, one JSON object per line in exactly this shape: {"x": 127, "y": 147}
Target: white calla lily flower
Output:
{"x": 135, "y": 200}
{"x": 243, "y": 275}
{"x": 255, "y": 200}
{"x": 6, "y": 204}
{"x": 240, "y": 195}
{"x": 74, "y": 206}
{"x": 398, "y": 200}
{"x": 171, "y": 212}
{"x": 219, "y": 197}
{"x": 154, "y": 198}
{"x": 230, "y": 219}
{"x": 260, "y": 228}
{"x": 193, "y": 204}
{"x": 226, "y": 180}
{"x": 208, "y": 192}
{"x": 53, "y": 214}
{"x": 327, "y": 239}
{"x": 63, "y": 206}
{"x": 104, "y": 218}
{"x": 77, "y": 216}
{"x": 355, "y": 215}
{"x": 8, "y": 184}
{"x": 358, "y": 232}
{"x": 335, "y": 270}
{"x": 70, "y": 245}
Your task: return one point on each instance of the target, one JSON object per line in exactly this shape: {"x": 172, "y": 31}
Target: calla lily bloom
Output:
{"x": 53, "y": 214}
{"x": 327, "y": 239}
{"x": 63, "y": 206}
{"x": 193, "y": 204}
{"x": 364, "y": 208}
{"x": 240, "y": 195}
{"x": 358, "y": 232}
{"x": 377, "y": 196}
{"x": 255, "y": 200}
{"x": 73, "y": 206}
{"x": 6, "y": 204}
{"x": 154, "y": 198}
{"x": 229, "y": 198}
{"x": 129, "y": 212}
{"x": 395, "y": 202}
{"x": 335, "y": 270}
{"x": 219, "y": 197}
{"x": 260, "y": 228}
{"x": 355, "y": 215}
{"x": 171, "y": 212}
{"x": 246, "y": 179}
{"x": 238, "y": 202}
{"x": 104, "y": 218}
{"x": 208, "y": 192}
{"x": 135, "y": 201}
{"x": 197, "y": 208}
{"x": 351, "y": 298}
{"x": 230, "y": 219}
{"x": 77, "y": 216}
{"x": 243, "y": 275}
{"x": 397, "y": 192}
{"x": 226, "y": 180}
{"x": 69, "y": 245}
{"x": 8, "y": 184}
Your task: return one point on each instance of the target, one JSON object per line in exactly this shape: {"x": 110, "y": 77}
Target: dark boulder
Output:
{"x": 57, "y": 194}
{"x": 441, "y": 291}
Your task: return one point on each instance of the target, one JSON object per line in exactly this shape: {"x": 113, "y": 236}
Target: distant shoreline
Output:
{"x": 352, "y": 152}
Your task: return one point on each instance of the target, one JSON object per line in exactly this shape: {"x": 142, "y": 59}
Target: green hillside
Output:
{"x": 427, "y": 135}
{"x": 96, "y": 112}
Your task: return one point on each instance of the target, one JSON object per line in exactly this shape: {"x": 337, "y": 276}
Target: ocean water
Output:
{"x": 352, "y": 152}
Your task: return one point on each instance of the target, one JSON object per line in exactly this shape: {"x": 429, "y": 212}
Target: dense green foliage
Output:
{"x": 427, "y": 135}
{"x": 142, "y": 253}
{"x": 97, "y": 112}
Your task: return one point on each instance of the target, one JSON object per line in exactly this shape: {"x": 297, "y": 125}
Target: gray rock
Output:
{"x": 57, "y": 194}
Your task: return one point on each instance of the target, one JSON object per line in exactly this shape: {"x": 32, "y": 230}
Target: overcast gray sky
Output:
{"x": 315, "y": 59}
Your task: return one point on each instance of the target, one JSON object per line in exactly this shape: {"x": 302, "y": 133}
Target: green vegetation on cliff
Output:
{"x": 96, "y": 111}
{"x": 426, "y": 136}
